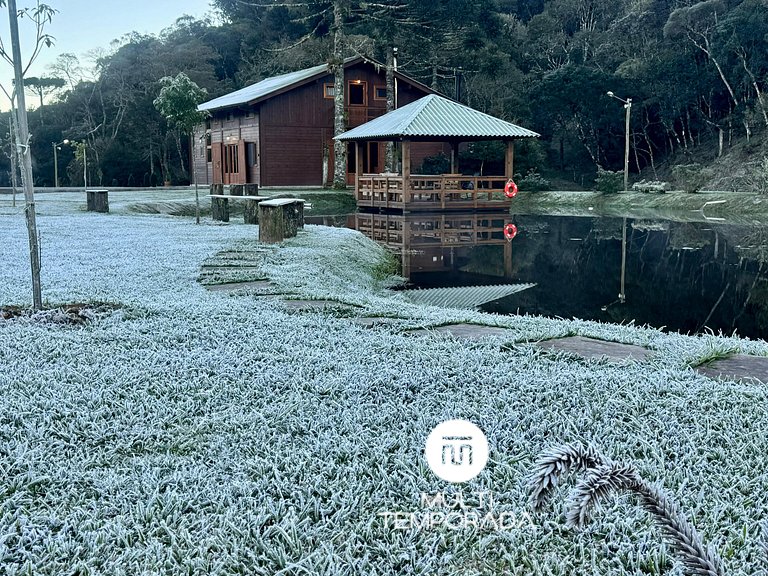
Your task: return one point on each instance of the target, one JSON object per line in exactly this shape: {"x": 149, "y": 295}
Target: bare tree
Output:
{"x": 40, "y": 16}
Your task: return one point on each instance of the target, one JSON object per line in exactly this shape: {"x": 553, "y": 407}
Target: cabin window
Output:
{"x": 208, "y": 152}
{"x": 380, "y": 93}
{"x": 250, "y": 153}
{"x": 357, "y": 93}
{"x": 329, "y": 90}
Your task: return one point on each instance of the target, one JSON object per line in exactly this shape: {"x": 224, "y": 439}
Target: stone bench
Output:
{"x": 97, "y": 200}
{"x": 280, "y": 218}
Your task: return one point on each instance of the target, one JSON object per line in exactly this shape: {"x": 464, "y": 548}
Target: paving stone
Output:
{"x": 311, "y": 304}
{"x": 232, "y": 286}
{"x": 592, "y": 348}
{"x": 370, "y": 321}
{"x": 739, "y": 367}
{"x": 468, "y": 331}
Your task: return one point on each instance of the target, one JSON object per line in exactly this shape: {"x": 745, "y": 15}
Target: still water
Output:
{"x": 684, "y": 276}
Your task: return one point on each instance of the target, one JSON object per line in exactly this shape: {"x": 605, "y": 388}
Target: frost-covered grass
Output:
{"x": 196, "y": 432}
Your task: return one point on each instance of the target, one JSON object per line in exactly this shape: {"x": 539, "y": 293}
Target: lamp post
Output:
{"x": 56, "y": 160}
{"x": 85, "y": 167}
{"x": 628, "y": 108}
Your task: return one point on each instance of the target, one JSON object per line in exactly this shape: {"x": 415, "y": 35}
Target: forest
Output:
{"x": 695, "y": 71}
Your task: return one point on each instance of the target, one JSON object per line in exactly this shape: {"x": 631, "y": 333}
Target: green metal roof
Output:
{"x": 437, "y": 118}
{"x": 463, "y": 297}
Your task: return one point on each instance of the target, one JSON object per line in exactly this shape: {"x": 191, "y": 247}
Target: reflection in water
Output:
{"x": 687, "y": 276}
{"x": 441, "y": 243}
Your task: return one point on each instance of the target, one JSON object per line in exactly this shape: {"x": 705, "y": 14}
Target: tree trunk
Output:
{"x": 389, "y": 158}
{"x": 337, "y": 67}
{"x": 25, "y": 157}
{"x": 14, "y": 167}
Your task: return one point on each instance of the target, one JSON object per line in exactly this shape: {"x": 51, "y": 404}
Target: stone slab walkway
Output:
{"x": 592, "y": 348}
{"x": 739, "y": 367}
{"x": 312, "y": 304}
{"x": 232, "y": 286}
{"x": 370, "y": 321}
{"x": 468, "y": 331}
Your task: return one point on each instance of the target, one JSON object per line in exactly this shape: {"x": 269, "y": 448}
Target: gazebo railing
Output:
{"x": 431, "y": 191}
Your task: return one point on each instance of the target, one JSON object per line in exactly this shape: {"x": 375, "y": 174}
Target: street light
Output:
{"x": 56, "y": 160}
{"x": 628, "y": 108}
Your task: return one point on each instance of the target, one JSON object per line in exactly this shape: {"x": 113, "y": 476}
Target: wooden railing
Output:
{"x": 427, "y": 192}
{"x": 400, "y": 231}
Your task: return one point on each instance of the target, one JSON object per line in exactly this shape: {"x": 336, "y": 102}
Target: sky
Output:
{"x": 82, "y": 25}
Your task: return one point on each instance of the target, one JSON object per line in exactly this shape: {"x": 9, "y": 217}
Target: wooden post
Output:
{"x": 251, "y": 190}
{"x": 406, "y": 172}
{"x": 236, "y": 189}
{"x": 509, "y": 160}
{"x": 217, "y": 189}
{"x": 220, "y": 209}
{"x": 454, "y": 157}
{"x": 358, "y": 163}
{"x": 251, "y": 212}
{"x": 508, "y": 259}
{"x": 279, "y": 219}
{"x": 97, "y": 201}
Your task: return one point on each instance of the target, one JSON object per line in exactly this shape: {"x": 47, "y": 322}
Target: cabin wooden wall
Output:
{"x": 293, "y": 131}
{"x": 233, "y": 127}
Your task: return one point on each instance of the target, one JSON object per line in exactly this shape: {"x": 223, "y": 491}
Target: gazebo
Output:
{"x": 433, "y": 118}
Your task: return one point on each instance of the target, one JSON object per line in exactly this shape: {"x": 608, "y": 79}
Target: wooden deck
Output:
{"x": 431, "y": 193}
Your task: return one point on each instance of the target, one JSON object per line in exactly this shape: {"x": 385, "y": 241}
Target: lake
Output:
{"x": 682, "y": 276}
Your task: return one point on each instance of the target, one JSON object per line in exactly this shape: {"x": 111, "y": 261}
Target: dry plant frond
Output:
{"x": 605, "y": 477}
{"x": 697, "y": 559}
{"x": 598, "y": 485}
{"x": 556, "y": 462}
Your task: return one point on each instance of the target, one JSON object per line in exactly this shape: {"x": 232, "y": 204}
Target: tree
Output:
{"x": 42, "y": 87}
{"x": 40, "y": 16}
{"x": 177, "y": 102}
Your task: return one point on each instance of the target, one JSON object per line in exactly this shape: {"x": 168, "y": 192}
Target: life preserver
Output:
{"x": 510, "y": 189}
{"x": 510, "y": 231}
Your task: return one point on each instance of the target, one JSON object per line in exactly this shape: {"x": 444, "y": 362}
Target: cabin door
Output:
{"x": 233, "y": 163}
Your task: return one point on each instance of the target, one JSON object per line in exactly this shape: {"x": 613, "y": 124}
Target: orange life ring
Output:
{"x": 510, "y": 189}
{"x": 510, "y": 231}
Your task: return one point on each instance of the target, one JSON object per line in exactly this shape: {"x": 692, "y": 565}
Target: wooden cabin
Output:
{"x": 433, "y": 120}
{"x": 279, "y": 132}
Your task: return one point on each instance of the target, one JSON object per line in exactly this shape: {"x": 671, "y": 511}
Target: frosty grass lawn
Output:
{"x": 197, "y": 432}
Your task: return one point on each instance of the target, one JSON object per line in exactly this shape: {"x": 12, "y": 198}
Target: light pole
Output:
{"x": 85, "y": 166}
{"x": 56, "y": 160}
{"x": 628, "y": 108}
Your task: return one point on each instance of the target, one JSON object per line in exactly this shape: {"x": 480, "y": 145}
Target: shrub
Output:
{"x": 609, "y": 182}
{"x": 533, "y": 182}
{"x": 650, "y": 186}
{"x": 689, "y": 177}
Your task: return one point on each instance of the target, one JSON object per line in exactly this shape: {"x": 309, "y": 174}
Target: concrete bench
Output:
{"x": 280, "y": 218}
{"x": 97, "y": 200}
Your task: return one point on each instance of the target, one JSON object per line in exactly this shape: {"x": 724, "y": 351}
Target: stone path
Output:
{"x": 739, "y": 367}
{"x": 370, "y": 321}
{"x": 232, "y": 286}
{"x": 312, "y": 304}
{"x": 468, "y": 331}
{"x": 592, "y": 348}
